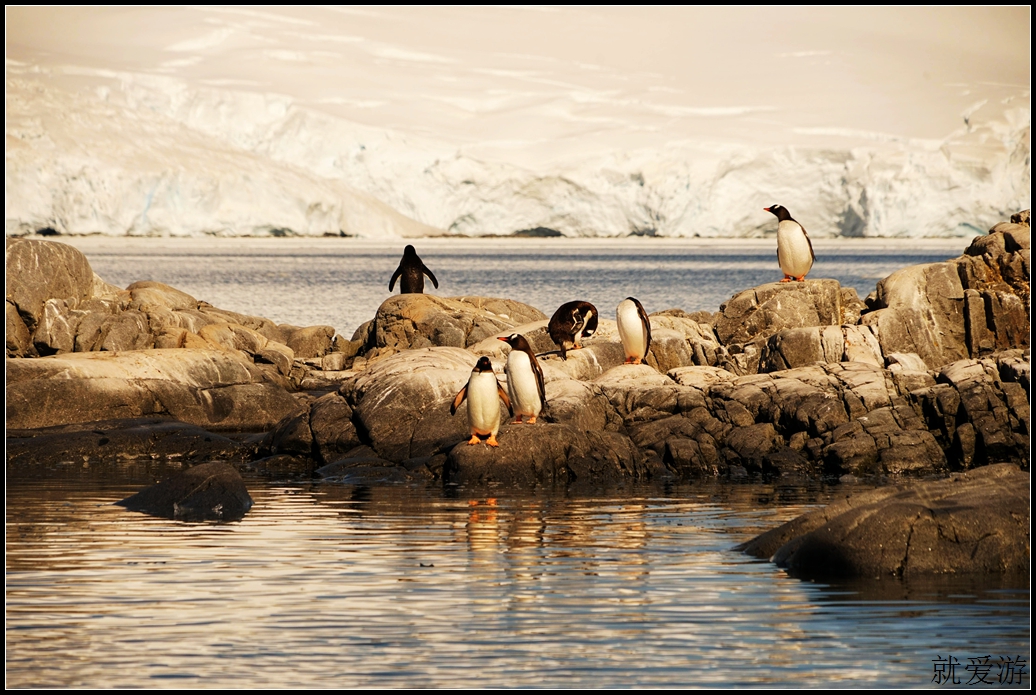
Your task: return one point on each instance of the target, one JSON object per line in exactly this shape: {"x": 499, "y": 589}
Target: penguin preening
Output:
{"x": 572, "y": 322}
{"x": 524, "y": 379}
{"x": 411, "y": 272}
{"x": 484, "y": 394}
{"x": 634, "y": 329}
{"x": 794, "y": 249}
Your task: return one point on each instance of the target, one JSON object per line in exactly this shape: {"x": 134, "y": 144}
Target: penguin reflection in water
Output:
{"x": 484, "y": 394}
{"x": 524, "y": 379}
{"x": 794, "y": 249}
{"x": 634, "y": 329}
{"x": 572, "y": 322}
{"x": 411, "y": 272}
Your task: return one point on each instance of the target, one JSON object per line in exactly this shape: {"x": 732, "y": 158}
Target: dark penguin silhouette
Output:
{"x": 411, "y": 272}
{"x": 572, "y": 322}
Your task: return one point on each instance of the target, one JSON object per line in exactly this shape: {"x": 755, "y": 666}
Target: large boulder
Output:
{"x": 401, "y": 403}
{"x": 41, "y": 270}
{"x": 409, "y": 321}
{"x": 974, "y": 522}
{"x": 206, "y": 492}
{"x": 764, "y": 310}
{"x": 209, "y": 388}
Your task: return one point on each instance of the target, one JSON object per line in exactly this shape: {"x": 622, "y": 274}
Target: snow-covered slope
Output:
{"x": 97, "y": 146}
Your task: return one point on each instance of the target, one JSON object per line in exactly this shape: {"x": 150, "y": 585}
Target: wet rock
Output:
{"x": 208, "y": 388}
{"x": 974, "y": 522}
{"x": 547, "y": 454}
{"x": 111, "y": 441}
{"x": 206, "y": 492}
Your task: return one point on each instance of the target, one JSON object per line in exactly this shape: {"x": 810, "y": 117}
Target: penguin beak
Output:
{"x": 503, "y": 339}
{"x": 766, "y": 209}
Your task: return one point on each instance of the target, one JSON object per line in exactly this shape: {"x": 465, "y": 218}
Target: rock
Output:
{"x": 313, "y": 341}
{"x": 114, "y": 441}
{"x": 206, "y": 492}
{"x": 208, "y": 388}
{"x": 40, "y": 270}
{"x": 323, "y": 431}
{"x": 798, "y": 347}
{"x": 547, "y": 454}
{"x": 148, "y": 296}
{"x": 19, "y": 342}
{"x": 974, "y": 522}
{"x": 579, "y": 404}
{"x": 401, "y": 403}
{"x": 700, "y": 377}
{"x": 412, "y": 321}
{"x": 762, "y": 311}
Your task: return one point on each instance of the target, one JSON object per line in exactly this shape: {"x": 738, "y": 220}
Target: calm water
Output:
{"x": 327, "y": 585}
{"x": 341, "y": 586}
{"x": 341, "y": 282}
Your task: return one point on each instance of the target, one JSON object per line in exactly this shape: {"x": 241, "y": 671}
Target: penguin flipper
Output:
{"x": 591, "y": 323}
{"x": 647, "y": 325}
{"x": 458, "y": 400}
{"x": 811, "y": 254}
{"x": 395, "y": 276}
{"x": 539, "y": 382}
{"x": 503, "y": 396}
{"x": 430, "y": 275}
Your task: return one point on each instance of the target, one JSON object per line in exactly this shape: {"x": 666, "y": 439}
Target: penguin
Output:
{"x": 794, "y": 249}
{"x": 572, "y": 322}
{"x": 411, "y": 272}
{"x": 634, "y": 329}
{"x": 484, "y": 394}
{"x": 524, "y": 379}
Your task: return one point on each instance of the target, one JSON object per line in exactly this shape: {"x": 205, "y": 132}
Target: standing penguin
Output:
{"x": 572, "y": 322}
{"x": 412, "y": 271}
{"x": 484, "y": 394}
{"x": 524, "y": 379}
{"x": 634, "y": 329}
{"x": 794, "y": 249}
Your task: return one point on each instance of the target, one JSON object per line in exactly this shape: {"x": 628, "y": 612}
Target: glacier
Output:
{"x": 123, "y": 152}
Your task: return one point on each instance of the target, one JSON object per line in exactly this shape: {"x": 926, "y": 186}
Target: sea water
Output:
{"x": 332, "y": 585}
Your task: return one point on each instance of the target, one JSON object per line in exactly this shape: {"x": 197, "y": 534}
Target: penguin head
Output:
{"x": 409, "y": 250}
{"x": 483, "y": 365}
{"x": 780, "y": 211}
{"x": 516, "y": 341}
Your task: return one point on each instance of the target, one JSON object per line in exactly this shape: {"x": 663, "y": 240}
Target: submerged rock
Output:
{"x": 206, "y": 492}
{"x": 974, "y": 522}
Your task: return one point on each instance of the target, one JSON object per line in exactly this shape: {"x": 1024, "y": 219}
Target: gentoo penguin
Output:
{"x": 483, "y": 393}
{"x": 572, "y": 322}
{"x": 794, "y": 250}
{"x": 524, "y": 379}
{"x": 634, "y": 329}
{"x": 412, "y": 271}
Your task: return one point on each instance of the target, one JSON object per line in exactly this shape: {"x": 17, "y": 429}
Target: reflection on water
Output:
{"x": 342, "y": 586}
{"x": 341, "y": 282}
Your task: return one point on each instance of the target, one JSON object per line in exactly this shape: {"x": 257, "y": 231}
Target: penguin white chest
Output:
{"x": 793, "y": 250}
{"x": 483, "y": 403}
{"x": 522, "y": 385}
{"x": 632, "y": 331}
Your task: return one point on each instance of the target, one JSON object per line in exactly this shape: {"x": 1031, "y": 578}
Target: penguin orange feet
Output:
{"x": 787, "y": 278}
{"x": 801, "y": 278}
{"x": 517, "y": 419}
{"x": 474, "y": 439}
{"x": 492, "y": 440}
{"x": 531, "y": 420}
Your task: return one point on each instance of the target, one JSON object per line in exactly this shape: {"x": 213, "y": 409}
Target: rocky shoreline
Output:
{"x": 926, "y": 376}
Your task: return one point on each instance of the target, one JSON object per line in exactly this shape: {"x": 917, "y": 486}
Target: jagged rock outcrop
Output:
{"x": 974, "y": 522}
{"x": 206, "y": 492}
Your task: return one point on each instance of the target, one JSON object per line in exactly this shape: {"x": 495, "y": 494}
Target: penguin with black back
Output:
{"x": 794, "y": 249}
{"x": 634, "y": 329}
{"x": 483, "y": 393}
{"x": 411, "y": 272}
{"x": 572, "y": 322}
{"x": 524, "y": 379}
